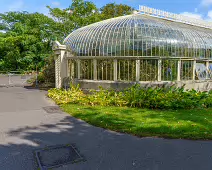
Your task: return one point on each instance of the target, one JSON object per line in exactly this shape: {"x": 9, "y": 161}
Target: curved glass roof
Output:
{"x": 141, "y": 35}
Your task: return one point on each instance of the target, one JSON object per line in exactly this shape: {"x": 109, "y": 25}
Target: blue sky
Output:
{"x": 194, "y": 8}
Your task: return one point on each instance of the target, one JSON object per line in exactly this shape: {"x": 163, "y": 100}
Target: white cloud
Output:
{"x": 16, "y": 5}
{"x": 55, "y": 3}
{"x": 209, "y": 16}
{"x": 206, "y": 2}
{"x": 192, "y": 15}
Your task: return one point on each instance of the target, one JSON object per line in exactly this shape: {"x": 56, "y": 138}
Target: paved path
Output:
{"x": 25, "y": 126}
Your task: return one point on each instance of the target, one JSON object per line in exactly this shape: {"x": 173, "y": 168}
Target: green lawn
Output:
{"x": 187, "y": 124}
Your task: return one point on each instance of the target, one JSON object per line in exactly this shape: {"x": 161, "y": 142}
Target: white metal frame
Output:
{"x": 149, "y": 31}
{"x": 174, "y": 17}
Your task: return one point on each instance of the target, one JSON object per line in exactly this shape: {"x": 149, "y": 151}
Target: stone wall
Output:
{"x": 118, "y": 85}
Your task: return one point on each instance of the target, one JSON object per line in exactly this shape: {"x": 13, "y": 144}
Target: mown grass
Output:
{"x": 186, "y": 124}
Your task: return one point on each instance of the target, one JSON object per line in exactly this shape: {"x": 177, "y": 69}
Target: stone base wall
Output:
{"x": 118, "y": 85}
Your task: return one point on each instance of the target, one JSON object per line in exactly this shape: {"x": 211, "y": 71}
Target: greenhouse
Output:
{"x": 141, "y": 47}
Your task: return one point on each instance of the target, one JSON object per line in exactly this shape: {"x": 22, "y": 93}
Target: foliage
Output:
{"x": 79, "y": 13}
{"x": 26, "y": 38}
{"x": 189, "y": 124}
{"x": 105, "y": 98}
{"x": 61, "y": 96}
{"x": 135, "y": 96}
{"x": 115, "y": 10}
{"x": 26, "y": 42}
{"x": 165, "y": 98}
{"x": 48, "y": 70}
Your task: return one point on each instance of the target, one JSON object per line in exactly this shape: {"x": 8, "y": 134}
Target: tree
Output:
{"x": 115, "y": 10}
{"x": 26, "y": 39}
{"x": 80, "y": 13}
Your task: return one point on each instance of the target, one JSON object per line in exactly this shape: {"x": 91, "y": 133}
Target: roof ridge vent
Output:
{"x": 174, "y": 17}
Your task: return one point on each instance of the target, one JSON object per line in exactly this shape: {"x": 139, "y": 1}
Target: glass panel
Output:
{"x": 148, "y": 70}
{"x": 140, "y": 35}
{"x": 186, "y": 70}
{"x": 210, "y": 70}
{"x": 104, "y": 69}
{"x": 126, "y": 70}
{"x": 201, "y": 71}
{"x": 169, "y": 70}
{"x": 86, "y": 69}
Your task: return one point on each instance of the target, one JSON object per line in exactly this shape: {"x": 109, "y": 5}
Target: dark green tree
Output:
{"x": 25, "y": 38}
{"x": 80, "y": 13}
{"x": 115, "y": 10}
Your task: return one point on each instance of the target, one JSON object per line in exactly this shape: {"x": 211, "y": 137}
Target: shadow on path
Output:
{"x": 26, "y": 127}
{"x": 102, "y": 149}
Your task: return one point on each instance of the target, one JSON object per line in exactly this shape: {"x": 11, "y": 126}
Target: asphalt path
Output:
{"x": 25, "y": 126}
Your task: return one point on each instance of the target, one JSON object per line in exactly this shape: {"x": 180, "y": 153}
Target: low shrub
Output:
{"x": 61, "y": 96}
{"x": 166, "y": 98}
{"x": 135, "y": 96}
{"x": 46, "y": 76}
{"x": 106, "y": 98}
{"x": 41, "y": 78}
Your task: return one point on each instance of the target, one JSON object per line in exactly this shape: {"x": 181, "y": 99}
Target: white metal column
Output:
{"x": 72, "y": 70}
{"x": 115, "y": 75}
{"x": 178, "y": 70}
{"x": 68, "y": 68}
{"x": 207, "y": 67}
{"x": 138, "y": 70}
{"x": 78, "y": 69}
{"x": 194, "y": 69}
{"x": 94, "y": 69}
{"x": 159, "y": 69}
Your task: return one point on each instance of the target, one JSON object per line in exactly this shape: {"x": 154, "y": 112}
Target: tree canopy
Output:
{"x": 115, "y": 10}
{"x": 26, "y": 41}
{"x": 26, "y": 38}
{"x": 78, "y": 14}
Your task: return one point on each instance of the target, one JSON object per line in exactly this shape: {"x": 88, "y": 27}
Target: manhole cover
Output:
{"x": 56, "y": 156}
{"x": 52, "y": 109}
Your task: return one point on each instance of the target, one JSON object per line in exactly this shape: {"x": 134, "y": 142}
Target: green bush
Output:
{"x": 46, "y": 76}
{"x": 61, "y": 96}
{"x": 166, "y": 98}
{"x": 41, "y": 78}
{"x": 105, "y": 98}
{"x": 49, "y": 70}
{"x": 135, "y": 96}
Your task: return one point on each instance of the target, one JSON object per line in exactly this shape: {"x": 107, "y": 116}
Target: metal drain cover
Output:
{"x": 52, "y": 109}
{"x": 55, "y": 156}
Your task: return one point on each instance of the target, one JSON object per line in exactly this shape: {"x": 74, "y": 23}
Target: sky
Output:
{"x": 201, "y": 9}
